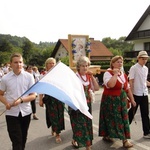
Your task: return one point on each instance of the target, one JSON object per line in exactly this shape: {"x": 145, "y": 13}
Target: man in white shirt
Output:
{"x": 18, "y": 109}
{"x": 138, "y": 81}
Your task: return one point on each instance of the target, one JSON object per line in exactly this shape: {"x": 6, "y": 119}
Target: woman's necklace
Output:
{"x": 86, "y": 78}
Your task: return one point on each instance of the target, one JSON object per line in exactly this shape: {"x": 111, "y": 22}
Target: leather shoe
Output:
{"x": 35, "y": 117}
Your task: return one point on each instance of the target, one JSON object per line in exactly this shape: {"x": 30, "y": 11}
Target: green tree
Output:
{"x": 5, "y": 57}
{"x": 6, "y": 46}
{"x": 117, "y": 47}
{"x": 65, "y": 60}
{"x": 39, "y": 55}
{"x": 27, "y": 50}
{"x": 116, "y": 51}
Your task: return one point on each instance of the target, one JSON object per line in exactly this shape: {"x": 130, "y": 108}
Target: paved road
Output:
{"x": 39, "y": 137}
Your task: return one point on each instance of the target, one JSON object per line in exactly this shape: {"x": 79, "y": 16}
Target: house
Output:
{"x": 140, "y": 35}
{"x": 99, "y": 52}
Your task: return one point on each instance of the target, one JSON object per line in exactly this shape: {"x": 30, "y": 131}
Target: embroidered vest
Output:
{"x": 116, "y": 90}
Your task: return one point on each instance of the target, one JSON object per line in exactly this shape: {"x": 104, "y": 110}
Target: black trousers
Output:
{"x": 141, "y": 101}
{"x": 17, "y": 128}
{"x": 33, "y": 106}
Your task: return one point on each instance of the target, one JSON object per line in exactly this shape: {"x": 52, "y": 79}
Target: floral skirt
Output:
{"x": 55, "y": 114}
{"x": 113, "y": 118}
{"x": 81, "y": 127}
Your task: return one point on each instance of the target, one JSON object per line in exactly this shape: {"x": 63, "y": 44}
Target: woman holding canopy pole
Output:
{"x": 81, "y": 124}
{"x": 113, "y": 118}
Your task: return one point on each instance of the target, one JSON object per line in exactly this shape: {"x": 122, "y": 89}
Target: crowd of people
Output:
{"x": 114, "y": 116}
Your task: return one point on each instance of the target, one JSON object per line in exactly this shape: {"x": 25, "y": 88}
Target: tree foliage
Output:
{"x": 36, "y": 54}
{"x": 27, "y": 50}
{"x": 6, "y": 46}
{"x": 117, "y": 47}
{"x": 65, "y": 60}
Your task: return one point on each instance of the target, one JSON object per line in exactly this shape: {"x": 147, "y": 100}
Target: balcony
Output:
{"x": 133, "y": 54}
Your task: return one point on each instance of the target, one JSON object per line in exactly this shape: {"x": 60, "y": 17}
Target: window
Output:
{"x": 147, "y": 46}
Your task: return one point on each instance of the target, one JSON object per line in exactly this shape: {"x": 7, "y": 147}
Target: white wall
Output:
{"x": 61, "y": 52}
{"x": 146, "y": 24}
{"x": 139, "y": 44}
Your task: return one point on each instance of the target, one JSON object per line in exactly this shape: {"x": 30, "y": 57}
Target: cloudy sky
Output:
{"x": 50, "y": 20}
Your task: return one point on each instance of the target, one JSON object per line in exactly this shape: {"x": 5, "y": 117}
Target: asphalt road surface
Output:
{"x": 40, "y": 138}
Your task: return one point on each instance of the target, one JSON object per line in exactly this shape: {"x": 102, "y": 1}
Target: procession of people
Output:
{"x": 114, "y": 116}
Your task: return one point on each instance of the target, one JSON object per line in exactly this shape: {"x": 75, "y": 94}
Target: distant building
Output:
{"x": 99, "y": 52}
{"x": 140, "y": 35}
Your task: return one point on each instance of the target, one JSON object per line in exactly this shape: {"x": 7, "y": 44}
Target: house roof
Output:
{"x": 135, "y": 34}
{"x": 97, "y": 48}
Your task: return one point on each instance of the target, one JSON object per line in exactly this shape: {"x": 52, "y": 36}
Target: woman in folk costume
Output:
{"x": 81, "y": 124}
{"x": 113, "y": 120}
{"x": 54, "y": 108}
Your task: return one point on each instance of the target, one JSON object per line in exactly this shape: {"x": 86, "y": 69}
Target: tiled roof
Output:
{"x": 99, "y": 49}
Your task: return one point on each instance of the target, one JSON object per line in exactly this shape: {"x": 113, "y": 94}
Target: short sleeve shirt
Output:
{"x": 14, "y": 86}
{"x": 107, "y": 76}
{"x": 139, "y": 74}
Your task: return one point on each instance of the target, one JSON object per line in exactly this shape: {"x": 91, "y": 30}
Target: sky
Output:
{"x": 51, "y": 20}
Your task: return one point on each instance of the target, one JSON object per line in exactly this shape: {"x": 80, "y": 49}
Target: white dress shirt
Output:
{"x": 14, "y": 86}
{"x": 139, "y": 74}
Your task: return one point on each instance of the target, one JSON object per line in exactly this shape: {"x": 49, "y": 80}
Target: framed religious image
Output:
{"x": 79, "y": 45}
